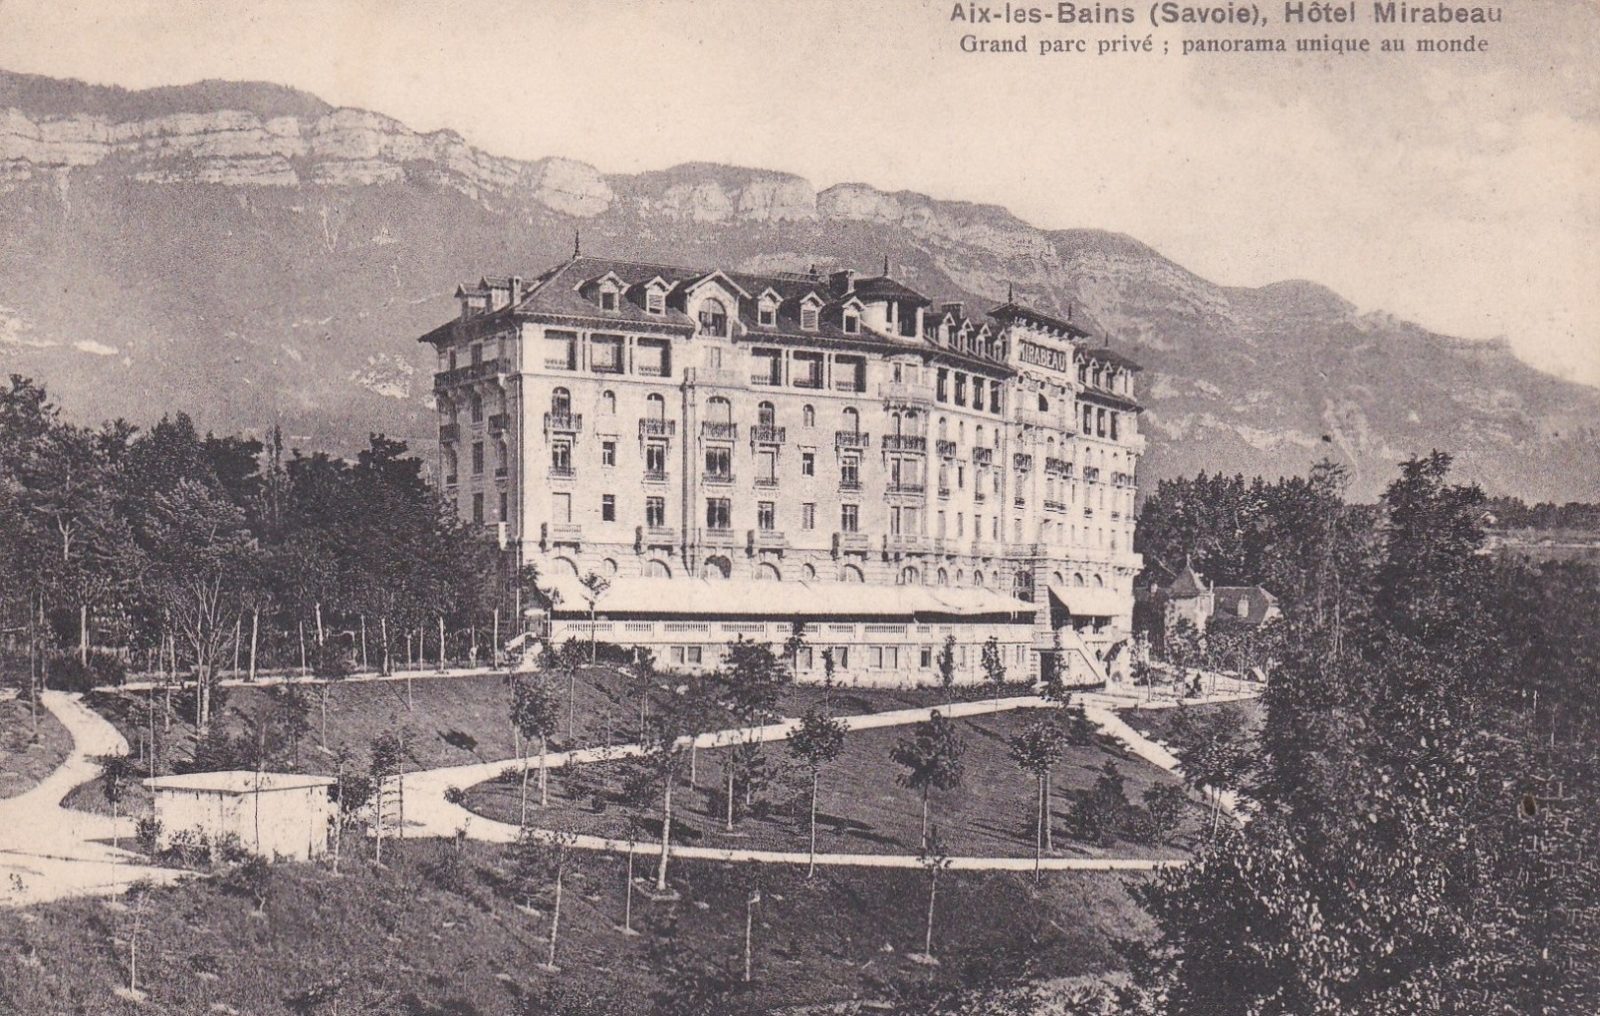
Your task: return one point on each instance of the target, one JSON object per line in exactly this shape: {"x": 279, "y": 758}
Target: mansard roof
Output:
{"x": 1012, "y": 310}
{"x": 882, "y": 287}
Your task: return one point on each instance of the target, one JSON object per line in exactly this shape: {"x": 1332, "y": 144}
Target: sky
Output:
{"x": 1461, "y": 191}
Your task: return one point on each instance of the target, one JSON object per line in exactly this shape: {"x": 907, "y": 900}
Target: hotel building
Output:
{"x": 734, "y": 452}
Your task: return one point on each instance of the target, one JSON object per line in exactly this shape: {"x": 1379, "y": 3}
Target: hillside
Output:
{"x": 248, "y": 253}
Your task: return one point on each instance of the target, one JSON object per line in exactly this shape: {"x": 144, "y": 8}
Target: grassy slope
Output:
{"x": 395, "y": 932}
{"x": 861, "y": 807}
{"x": 1162, "y": 724}
{"x": 24, "y": 761}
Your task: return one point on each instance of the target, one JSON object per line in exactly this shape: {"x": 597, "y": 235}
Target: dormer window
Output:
{"x": 808, "y": 318}
{"x": 852, "y": 323}
{"x": 655, "y": 301}
{"x": 767, "y": 314}
{"x": 713, "y": 317}
{"x": 608, "y": 299}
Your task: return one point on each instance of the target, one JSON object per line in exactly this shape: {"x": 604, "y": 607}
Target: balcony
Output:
{"x": 1019, "y": 501}
{"x": 850, "y": 484}
{"x": 904, "y": 394}
{"x": 1022, "y": 460}
{"x": 491, "y": 368}
{"x": 766, "y": 482}
{"x": 720, "y": 431}
{"x": 946, "y": 449}
{"x": 1041, "y": 418}
{"x": 723, "y": 377}
{"x": 905, "y": 443}
{"x": 809, "y": 382}
{"x": 1051, "y": 505}
{"x": 1091, "y": 473}
{"x": 449, "y": 432}
{"x": 765, "y": 539}
{"x": 649, "y": 427}
{"x": 716, "y": 537}
{"x": 451, "y": 479}
{"x": 655, "y": 536}
{"x": 499, "y": 423}
{"x": 983, "y": 456}
{"x": 905, "y": 543}
{"x": 652, "y": 370}
{"x": 767, "y": 379}
{"x": 845, "y": 384}
{"x": 906, "y": 487}
{"x": 851, "y": 439}
{"x": 717, "y": 479}
{"x": 979, "y": 497}
{"x": 501, "y": 472}
{"x": 763, "y": 433}
{"x": 562, "y": 472}
{"x": 560, "y": 363}
{"x": 944, "y": 492}
{"x": 563, "y": 423}
{"x": 655, "y": 476}
{"x": 562, "y": 532}
{"x": 1061, "y": 467}
{"x": 851, "y": 543}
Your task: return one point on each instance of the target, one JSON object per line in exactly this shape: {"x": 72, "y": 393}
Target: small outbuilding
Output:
{"x": 275, "y": 815}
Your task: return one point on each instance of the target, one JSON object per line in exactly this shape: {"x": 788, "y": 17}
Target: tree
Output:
{"x": 201, "y": 555}
{"x": 1163, "y": 806}
{"x": 935, "y": 861}
{"x": 289, "y": 712}
{"x": 1101, "y": 812}
{"x": 792, "y": 646}
{"x": 139, "y": 891}
{"x": 931, "y": 758}
{"x": 655, "y": 772}
{"x": 1036, "y": 751}
{"x": 351, "y": 792}
{"x": 994, "y": 668}
{"x": 387, "y": 754}
{"x": 816, "y": 742}
{"x": 947, "y": 661}
{"x": 594, "y": 587}
{"x": 748, "y": 687}
{"x": 539, "y": 860}
{"x": 116, "y": 773}
{"x": 533, "y": 715}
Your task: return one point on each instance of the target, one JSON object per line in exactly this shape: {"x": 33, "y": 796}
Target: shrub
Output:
{"x": 188, "y": 848}
{"x": 251, "y": 879}
{"x": 147, "y": 833}
{"x": 1101, "y": 812}
{"x": 455, "y": 795}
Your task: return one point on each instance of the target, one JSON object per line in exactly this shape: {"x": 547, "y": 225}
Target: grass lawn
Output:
{"x": 437, "y": 932}
{"x": 861, "y": 807}
{"x": 459, "y": 720}
{"x": 24, "y": 759}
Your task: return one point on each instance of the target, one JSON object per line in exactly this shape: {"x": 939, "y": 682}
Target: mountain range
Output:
{"x": 252, "y": 255}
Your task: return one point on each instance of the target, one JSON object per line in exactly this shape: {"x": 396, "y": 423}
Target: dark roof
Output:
{"x": 1012, "y": 309}
{"x": 1110, "y": 399}
{"x": 1257, "y": 601}
{"x": 884, "y": 288}
{"x": 1107, "y": 356}
{"x": 1187, "y": 585}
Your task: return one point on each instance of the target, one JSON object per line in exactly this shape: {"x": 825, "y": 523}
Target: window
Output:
{"x": 655, "y": 407}
{"x": 808, "y": 317}
{"x": 766, "y": 516}
{"x": 605, "y": 354}
{"x": 1100, "y": 422}
{"x": 941, "y": 385}
{"x": 808, "y": 463}
{"x": 561, "y": 508}
{"x": 719, "y": 410}
{"x": 608, "y": 299}
{"x": 718, "y": 513}
{"x": 608, "y": 402}
{"x": 677, "y": 655}
{"x": 767, "y": 314}
{"x": 719, "y": 463}
{"x": 1088, "y": 421}
{"x": 655, "y": 459}
{"x": 477, "y": 508}
{"x": 1113, "y": 426}
{"x": 561, "y": 458}
{"x": 714, "y": 358}
{"x": 850, "y": 471}
{"x": 503, "y": 506}
{"x": 808, "y": 416}
{"x": 994, "y": 401}
{"x": 452, "y": 359}
{"x": 852, "y": 420}
{"x": 961, "y": 389}
{"x": 476, "y": 403}
{"x": 560, "y": 402}
{"x": 694, "y": 653}
{"x": 767, "y": 466}
{"x": 808, "y": 516}
{"x": 608, "y": 453}
{"x": 894, "y": 521}
{"x": 655, "y": 301}
{"x": 766, "y": 415}
{"x": 852, "y": 323}
{"x": 925, "y": 657}
{"x": 713, "y": 317}
{"x": 608, "y": 507}
{"x": 477, "y": 458}
{"x": 850, "y": 518}
{"x": 477, "y": 353}
{"x": 655, "y": 512}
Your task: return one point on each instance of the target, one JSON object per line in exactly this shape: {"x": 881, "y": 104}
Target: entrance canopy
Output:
{"x": 1090, "y": 601}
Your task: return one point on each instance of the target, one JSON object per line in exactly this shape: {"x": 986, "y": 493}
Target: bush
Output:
{"x": 147, "y": 833}
{"x": 188, "y": 848}
{"x": 1101, "y": 813}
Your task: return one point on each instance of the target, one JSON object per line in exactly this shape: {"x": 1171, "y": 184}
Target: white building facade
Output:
{"x": 642, "y": 421}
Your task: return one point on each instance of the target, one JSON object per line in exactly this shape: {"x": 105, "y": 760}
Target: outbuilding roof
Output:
{"x": 750, "y": 598}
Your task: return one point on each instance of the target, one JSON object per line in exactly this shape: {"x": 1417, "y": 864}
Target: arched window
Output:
{"x": 655, "y": 407}
{"x": 713, "y": 317}
{"x": 909, "y": 576}
{"x": 608, "y": 402}
{"x": 944, "y": 577}
{"x": 608, "y": 566}
{"x": 977, "y": 579}
{"x": 807, "y": 573}
{"x": 850, "y": 573}
{"x": 852, "y": 420}
{"x": 718, "y": 567}
{"x": 944, "y": 428}
{"x": 977, "y": 436}
{"x": 961, "y": 431}
{"x": 719, "y": 410}
{"x": 564, "y": 566}
{"x": 1077, "y": 578}
{"x": 657, "y": 569}
{"x": 808, "y": 416}
{"x": 1099, "y": 583}
{"x": 1044, "y": 403}
{"x": 768, "y": 572}
{"x": 767, "y": 415}
{"x": 560, "y": 402}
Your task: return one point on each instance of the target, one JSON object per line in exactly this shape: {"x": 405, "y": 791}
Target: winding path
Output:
{"x": 48, "y": 851}
{"x": 428, "y": 813}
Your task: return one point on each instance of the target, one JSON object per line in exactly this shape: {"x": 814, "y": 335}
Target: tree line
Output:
{"x": 186, "y": 555}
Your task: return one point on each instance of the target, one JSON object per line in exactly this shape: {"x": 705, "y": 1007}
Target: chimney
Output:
{"x": 516, "y": 290}
{"x": 842, "y": 282}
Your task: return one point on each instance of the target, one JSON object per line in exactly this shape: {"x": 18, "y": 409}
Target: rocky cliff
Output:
{"x": 249, "y": 253}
